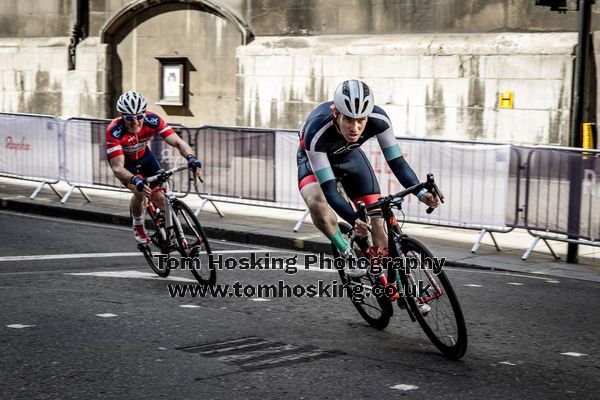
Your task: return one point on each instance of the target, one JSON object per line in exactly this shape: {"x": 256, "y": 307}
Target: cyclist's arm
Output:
{"x": 324, "y": 174}
{"x": 180, "y": 144}
{"x": 116, "y": 159}
{"x": 393, "y": 156}
{"x": 117, "y": 164}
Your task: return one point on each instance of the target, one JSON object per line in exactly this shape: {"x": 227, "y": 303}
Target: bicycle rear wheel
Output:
{"x": 377, "y": 311}
{"x": 445, "y": 324}
{"x": 151, "y": 250}
{"x": 198, "y": 249}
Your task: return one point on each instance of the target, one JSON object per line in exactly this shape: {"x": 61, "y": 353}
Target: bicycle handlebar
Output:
{"x": 164, "y": 175}
{"x": 429, "y": 184}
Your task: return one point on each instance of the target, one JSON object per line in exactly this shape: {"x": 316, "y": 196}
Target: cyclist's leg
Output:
{"x": 137, "y": 205}
{"x": 360, "y": 183}
{"x": 322, "y": 215}
{"x": 149, "y": 166}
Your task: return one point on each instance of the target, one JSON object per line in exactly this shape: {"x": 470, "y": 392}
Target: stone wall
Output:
{"x": 35, "y": 18}
{"x": 36, "y": 79}
{"x": 434, "y": 85}
{"x": 49, "y": 18}
{"x": 289, "y": 17}
{"x": 430, "y": 85}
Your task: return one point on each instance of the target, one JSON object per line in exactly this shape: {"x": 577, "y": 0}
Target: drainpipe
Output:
{"x": 579, "y": 86}
{"x": 79, "y": 30}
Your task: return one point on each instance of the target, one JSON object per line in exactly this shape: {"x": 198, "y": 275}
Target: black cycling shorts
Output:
{"x": 354, "y": 171}
{"x": 145, "y": 166}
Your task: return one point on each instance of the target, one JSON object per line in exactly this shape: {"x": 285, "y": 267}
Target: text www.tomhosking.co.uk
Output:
{"x": 322, "y": 289}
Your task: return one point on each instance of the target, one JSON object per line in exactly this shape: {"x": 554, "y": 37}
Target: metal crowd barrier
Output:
{"x": 494, "y": 187}
{"x": 31, "y": 149}
{"x": 560, "y": 193}
{"x": 480, "y": 178}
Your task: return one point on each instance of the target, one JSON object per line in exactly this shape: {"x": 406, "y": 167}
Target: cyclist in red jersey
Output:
{"x": 130, "y": 158}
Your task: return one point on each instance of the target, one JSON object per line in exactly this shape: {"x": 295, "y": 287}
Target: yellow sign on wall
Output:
{"x": 506, "y": 99}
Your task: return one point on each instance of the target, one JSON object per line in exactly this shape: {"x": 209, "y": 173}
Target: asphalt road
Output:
{"x": 83, "y": 317}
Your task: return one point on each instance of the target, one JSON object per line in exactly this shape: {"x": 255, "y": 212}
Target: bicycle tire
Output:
{"x": 447, "y": 332}
{"x": 147, "y": 251}
{"x": 380, "y": 315}
{"x": 206, "y": 274}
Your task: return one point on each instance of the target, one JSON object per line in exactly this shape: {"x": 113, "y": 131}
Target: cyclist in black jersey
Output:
{"x": 330, "y": 141}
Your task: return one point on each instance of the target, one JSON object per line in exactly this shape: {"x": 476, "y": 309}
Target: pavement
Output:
{"x": 269, "y": 226}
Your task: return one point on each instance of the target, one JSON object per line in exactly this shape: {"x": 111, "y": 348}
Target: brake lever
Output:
{"x": 434, "y": 190}
{"x": 193, "y": 176}
{"x": 362, "y": 212}
{"x": 439, "y": 193}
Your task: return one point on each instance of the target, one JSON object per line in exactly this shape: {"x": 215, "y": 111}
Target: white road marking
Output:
{"x": 106, "y": 255}
{"x": 506, "y": 363}
{"x": 68, "y": 256}
{"x": 476, "y": 271}
{"x": 189, "y": 306}
{"x": 514, "y": 283}
{"x": 128, "y": 229}
{"x": 130, "y": 274}
{"x": 106, "y": 315}
{"x": 66, "y": 220}
{"x": 550, "y": 281}
{"x": 472, "y": 285}
{"x": 260, "y": 299}
{"x": 19, "y": 326}
{"x": 573, "y": 354}
{"x": 404, "y": 387}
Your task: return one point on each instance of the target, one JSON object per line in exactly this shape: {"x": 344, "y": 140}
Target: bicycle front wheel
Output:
{"x": 194, "y": 244}
{"x": 150, "y": 251}
{"x": 444, "y": 324}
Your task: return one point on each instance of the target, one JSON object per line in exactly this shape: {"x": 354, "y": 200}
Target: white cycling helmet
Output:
{"x": 131, "y": 103}
{"x": 354, "y": 99}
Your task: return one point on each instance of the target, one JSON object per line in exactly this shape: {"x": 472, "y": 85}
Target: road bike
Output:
{"x": 405, "y": 276}
{"x": 176, "y": 229}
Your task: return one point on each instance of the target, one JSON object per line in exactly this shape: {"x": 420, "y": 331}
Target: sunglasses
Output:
{"x": 130, "y": 118}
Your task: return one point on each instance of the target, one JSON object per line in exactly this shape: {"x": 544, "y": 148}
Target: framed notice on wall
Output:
{"x": 172, "y": 81}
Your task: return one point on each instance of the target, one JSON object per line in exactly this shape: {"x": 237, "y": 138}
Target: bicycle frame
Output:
{"x": 395, "y": 238}
{"x": 171, "y": 222}
{"x": 384, "y": 207}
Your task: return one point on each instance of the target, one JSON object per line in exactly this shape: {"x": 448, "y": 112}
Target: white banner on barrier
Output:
{"x": 473, "y": 177}
{"x": 78, "y": 160}
{"x": 29, "y": 146}
{"x": 286, "y": 170}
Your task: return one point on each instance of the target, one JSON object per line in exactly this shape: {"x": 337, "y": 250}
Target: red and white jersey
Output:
{"x": 119, "y": 141}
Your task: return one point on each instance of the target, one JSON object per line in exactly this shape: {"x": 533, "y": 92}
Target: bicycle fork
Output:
{"x": 155, "y": 212}
{"x": 175, "y": 223}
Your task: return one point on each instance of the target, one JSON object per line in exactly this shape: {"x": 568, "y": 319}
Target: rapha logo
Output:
{"x": 12, "y": 145}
